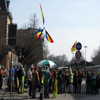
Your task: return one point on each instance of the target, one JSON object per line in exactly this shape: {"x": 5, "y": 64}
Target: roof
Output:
{"x": 92, "y": 67}
{"x": 3, "y": 5}
{"x": 83, "y": 63}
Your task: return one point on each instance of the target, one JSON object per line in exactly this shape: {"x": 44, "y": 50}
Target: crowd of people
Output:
{"x": 17, "y": 74}
{"x": 53, "y": 80}
{"x": 17, "y": 81}
{"x": 92, "y": 82}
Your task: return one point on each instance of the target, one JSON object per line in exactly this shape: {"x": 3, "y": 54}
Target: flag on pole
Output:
{"x": 39, "y": 33}
{"x": 70, "y": 68}
{"x": 73, "y": 48}
{"x": 42, "y": 14}
{"x": 48, "y": 37}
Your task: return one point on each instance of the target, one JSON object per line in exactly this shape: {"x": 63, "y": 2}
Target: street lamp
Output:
{"x": 85, "y": 54}
{"x": 73, "y": 58}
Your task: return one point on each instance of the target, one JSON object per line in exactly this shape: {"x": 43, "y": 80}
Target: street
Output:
{"x": 73, "y": 96}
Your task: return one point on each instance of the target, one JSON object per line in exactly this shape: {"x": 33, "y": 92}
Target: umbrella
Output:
{"x": 49, "y": 63}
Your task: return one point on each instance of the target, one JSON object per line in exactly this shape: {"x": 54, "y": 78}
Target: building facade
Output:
{"x": 5, "y": 20}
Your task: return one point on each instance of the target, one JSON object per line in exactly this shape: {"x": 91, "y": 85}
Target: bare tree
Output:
{"x": 28, "y": 49}
{"x": 60, "y": 60}
{"x": 96, "y": 56}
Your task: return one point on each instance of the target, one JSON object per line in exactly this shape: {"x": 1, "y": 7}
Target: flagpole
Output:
{"x": 85, "y": 54}
{"x": 43, "y": 50}
{"x": 73, "y": 57}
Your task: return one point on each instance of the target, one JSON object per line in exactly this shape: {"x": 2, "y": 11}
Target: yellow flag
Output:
{"x": 73, "y": 48}
{"x": 70, "y": 68}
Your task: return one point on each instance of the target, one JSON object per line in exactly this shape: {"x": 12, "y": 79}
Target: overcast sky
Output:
{"x": 66, "y": 21}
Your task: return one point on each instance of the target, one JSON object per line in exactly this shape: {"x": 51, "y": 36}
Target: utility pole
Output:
{"x": 85, "y": 54}
{"x": 12, "y": 30}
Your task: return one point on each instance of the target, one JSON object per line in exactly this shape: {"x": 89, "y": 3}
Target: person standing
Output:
{"x": 60, "y": 81}
{"x": 46, "y": 82}
{"x": 97, "y": 84}
{"x": 40, "y": 77}
{"x": 66, "y": 79}
{"x": 88, "y": 82}
{"x": 15, "y": 79}
{"x": 79, "y": 80}
{"x": 1, "y": 75}
{"x": 75, "y": 82}
{"x": 30, "y": 80}
{"x": 35, "y": 82}
{"x": 23, "y": 77}
{"x": 50, "y": 81}
{"x": 5, "y": 72}
{"x": 19, "y": 75}
{"x": 70, "y": 76}
{"x": 13, "y": 73}
{"x": 55, "y": 87}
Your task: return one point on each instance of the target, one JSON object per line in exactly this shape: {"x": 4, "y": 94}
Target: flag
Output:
{"x": 70, "y": 68}
{"x": 39, "y": 33}
{"x": 73, "y": 48}
{"x": 48, "y": 37}
{"x": 33, "y": 67}
{"x": 42, "y": 14}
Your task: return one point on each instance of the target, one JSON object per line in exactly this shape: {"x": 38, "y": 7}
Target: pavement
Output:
{"x": 67, "y": 96}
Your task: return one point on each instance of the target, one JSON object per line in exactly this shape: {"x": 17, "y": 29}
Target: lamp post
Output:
{"x": 73, "y": 58}
{"x": 85, "y": 54}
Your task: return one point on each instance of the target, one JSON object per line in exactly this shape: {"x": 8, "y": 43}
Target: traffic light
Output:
{"x": 12, "y": 34}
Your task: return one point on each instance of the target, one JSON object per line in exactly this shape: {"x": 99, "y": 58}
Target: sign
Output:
{"x": 7, "y": 49}
{"x": 78, "y": 46}
{"x": 78, "y": 54}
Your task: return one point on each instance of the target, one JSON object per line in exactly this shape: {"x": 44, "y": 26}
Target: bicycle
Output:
{"x": 6, "y": 80}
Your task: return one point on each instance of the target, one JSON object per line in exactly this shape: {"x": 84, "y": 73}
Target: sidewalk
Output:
{"x": 73, "y": 96}
{"x": 59, "y": 96}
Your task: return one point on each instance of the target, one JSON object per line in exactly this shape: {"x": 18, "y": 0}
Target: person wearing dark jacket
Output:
{"x": 79, "y": 80}
{"x": 50, "y": 81}
{"x": 88, "y": 82}
{"x": 40, "y": 77}
{"x": 75, "y": 82}
{"x": 60, "y": 81}
{"x": 97, "y": 84}
{"x": 19, "y": 75}
{"x": 35, "y": 82}
{"x": 15, "y": 77}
